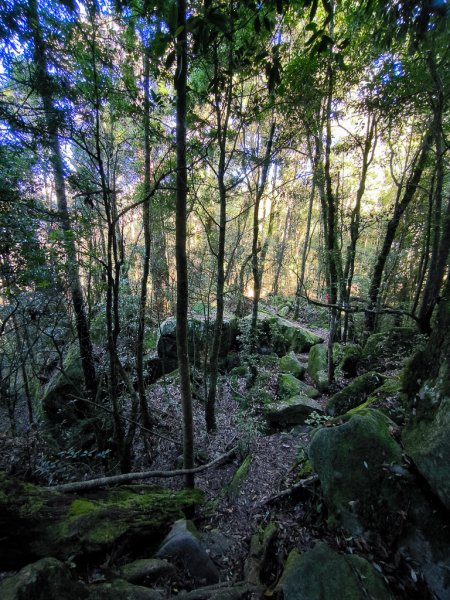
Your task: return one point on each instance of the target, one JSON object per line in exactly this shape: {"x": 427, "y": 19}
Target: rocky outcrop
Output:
{"x": 357, "y": 463}
{"x": 354, "y": 393}
{"x": 323, "y": 574}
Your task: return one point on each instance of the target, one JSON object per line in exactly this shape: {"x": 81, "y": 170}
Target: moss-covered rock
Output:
{"x": 358, "y": 465}
{"x": 146, "y": 570}
{"x": 290, "y": 364}
{"x": 119, "y": 589}
{"x": 323, "y": 574}
{"x": 390, "y": 349}
{"x": 292, "y": 411}
{"x": 279, "y": 335}
{"x": 427, "y": 442}
{"x": 289, "y": 386}
{"x": 318, "y": 366}
{"x": 346, "y": 358}
{"x": 46, "y": 579}
{"x": 37, "y": 522}
{"x": 389, "y": 399}
{"x": 354, "y": 394}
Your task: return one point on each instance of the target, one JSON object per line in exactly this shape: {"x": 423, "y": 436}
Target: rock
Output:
{"x": 356, "y": 464}
{"x": 279, "y": 335}
{"x": 388, "y": 399}
{"x": 354, "y": 393}
{"x": 146, "y": 570}
{"x": 290, "y": 364}
{"x": 119, "y": 589}
{"x": 427, "y": 442}
{"x": 318, "y": 366}
{"x": 199, "y": 333}
{"x": 183, "y": 546}
{"x": 323, "y": 574}
{"x": 293, "y": 411}
{"x": 284, "y": 311}
{"x": 346, "y": 358}
{"x": 238, "y": 591}
{"x": 37, "y": 522}
{"x": 390, "y": 349}
{"x": 427, "y": 542}
{"x": 46, "y": 579}
{"x": 289, "y": 386}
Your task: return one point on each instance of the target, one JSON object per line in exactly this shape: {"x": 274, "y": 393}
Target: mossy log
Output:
{"x": 38, "y": 522}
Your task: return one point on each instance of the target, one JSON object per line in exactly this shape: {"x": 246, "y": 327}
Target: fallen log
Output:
{"x": 91, "y": 484}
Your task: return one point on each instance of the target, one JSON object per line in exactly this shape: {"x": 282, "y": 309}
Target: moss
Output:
{"x": 318, "y": 366}
{"x": 352, "y": 461}
{"x": 354, "y": 393}
{"x": 306, "y": 469}
{"x": 239, "y": 477}
{"x": 95, "y": 523}
{"x": 291, "y": 364}
{"x": 150, "y": 340}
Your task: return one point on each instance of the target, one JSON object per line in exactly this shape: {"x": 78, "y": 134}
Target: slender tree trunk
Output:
{"x": 410, "y": 190}
{"x": 180, "y": 244}
{"x": 255, "y": 240}
{"x": 44, "y": 87}
{"x": 281, "y": 251}
{"x": 441, "y": 225}
{"x": 147, "y": 248}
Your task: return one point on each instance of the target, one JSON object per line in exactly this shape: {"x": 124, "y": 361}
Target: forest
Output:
{"x": 224, "y": 300}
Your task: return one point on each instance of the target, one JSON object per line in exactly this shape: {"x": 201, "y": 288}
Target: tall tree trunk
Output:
{"x": 180, "y": 244}
{"x": 222, "y": 130}
{"x": 43, "y": 85}
{"x": 410, "y": 190}
{"x": 281, "y": 251}
{"x": 441, "y": 225}
{"x": 255, "y": 240}
{"x": 147, "y": 249}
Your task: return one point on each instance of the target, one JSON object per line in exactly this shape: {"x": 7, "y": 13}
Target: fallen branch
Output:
{"x": 302, "y": 485}
{"x": 90, "y": 484}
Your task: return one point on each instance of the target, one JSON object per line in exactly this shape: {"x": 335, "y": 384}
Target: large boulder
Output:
{"x": 427, "y": 442}
{"x": 290, "y": 364}
{"x": 182, "y": 545}
{"x": 289, "y": 386}
{"x": 292, "y": 411}
{"x": 354, "y": 393}
{"x": 46, "y": 579}
{"x": 323, "y": 574}
{"x": 356, "y": 463}
{"x": 279, "y": 335}
{"x": 318, "y": 366}
{"x": 390, "y": 349}
{"x": 200, "y": 332}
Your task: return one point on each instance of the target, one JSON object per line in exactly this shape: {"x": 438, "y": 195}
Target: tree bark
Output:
{"x": 180, "y": 244}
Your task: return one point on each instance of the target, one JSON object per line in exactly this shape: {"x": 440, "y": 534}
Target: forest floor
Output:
{"x": 236, "y": 513}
